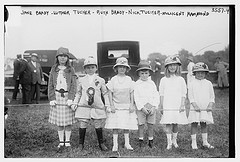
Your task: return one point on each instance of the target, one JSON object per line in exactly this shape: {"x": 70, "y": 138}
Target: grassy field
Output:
{"x": 29, "y": 135}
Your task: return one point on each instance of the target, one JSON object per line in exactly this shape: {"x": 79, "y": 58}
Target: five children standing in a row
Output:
{"x": 129, "y": 105}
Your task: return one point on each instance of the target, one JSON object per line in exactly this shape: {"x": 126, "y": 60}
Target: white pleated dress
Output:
{"x": 201, "y": 92}
{"x": 122, "y": 118}
{"x": 173, "y": 89}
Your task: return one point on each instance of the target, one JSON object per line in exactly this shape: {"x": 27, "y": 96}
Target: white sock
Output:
{"x": 67, "y": 135}
{"x": 140, "y": 138}
{"x": 126, "y": 137}
{"x": 204, "y": 139}
{"x": 194, "y": 141}
{"x": 169, "y": 139}
{"x": 115, "y": 140}
{"x": 61, "y": 136}
{"x": 174, "y": 139}
{"x": 150, "y": 138}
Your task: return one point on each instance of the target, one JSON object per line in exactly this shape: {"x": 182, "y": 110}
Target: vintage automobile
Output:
{"x": 108, "y": 52}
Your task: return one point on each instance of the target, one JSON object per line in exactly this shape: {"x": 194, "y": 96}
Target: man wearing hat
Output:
{"x": 190, "y": 66}
{"x": 25, "y": 79}
{"x": 16, "y": 68}
{"x": 37, "y": 77}
{"x": 221, "y": 68}
{"x": 157, "y": 72}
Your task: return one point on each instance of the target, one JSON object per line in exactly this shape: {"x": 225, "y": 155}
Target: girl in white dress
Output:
{"x": 121, "y": 114}
{"x": 172, "y": 92}
{"x": 201, "y": 97}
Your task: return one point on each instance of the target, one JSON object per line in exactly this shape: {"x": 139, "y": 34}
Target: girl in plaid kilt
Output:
{"x": 61, "y": 92}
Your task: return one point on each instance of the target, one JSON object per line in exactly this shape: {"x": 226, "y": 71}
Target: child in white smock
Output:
{"x": 122, "y": 111}
{"x": 201, "y": 97}
{"x": 172, "y": 92}
{"x": 146, "y": 98}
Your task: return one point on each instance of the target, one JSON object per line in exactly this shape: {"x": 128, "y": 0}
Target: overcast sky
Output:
{"x": 156, "y": 32}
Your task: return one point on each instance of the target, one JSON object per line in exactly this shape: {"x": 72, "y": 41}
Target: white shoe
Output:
{"x": 169, "y": 147}
{"x": 207, "y": 145}
{"x": 129, "y": 147}
{"x": 115, "y": 148}
{"x": 194, "y": 147}
{"x": 175, "y": 145}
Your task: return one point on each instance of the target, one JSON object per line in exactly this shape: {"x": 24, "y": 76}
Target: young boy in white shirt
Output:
{"x": 146, "y": 99}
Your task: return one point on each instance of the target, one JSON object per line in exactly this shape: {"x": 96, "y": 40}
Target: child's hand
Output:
{"x": 113, "y": 109}
{"x": 182, "y": 108}
{"x": 160, "y": 108}
{"x": 210, "y": 106}
{"x": 197, "y": 109}
{"x": 74, "y": 107}
{"x": 145, "y": 110}
{"x": 131, "y": 109}
{"x": 108, "y": 109}
{"x": 152, "y": 110}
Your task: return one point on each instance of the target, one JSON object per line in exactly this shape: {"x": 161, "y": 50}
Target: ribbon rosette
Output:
{"x": 90, "y": 93}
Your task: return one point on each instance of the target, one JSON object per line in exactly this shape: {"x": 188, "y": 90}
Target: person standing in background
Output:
{"x": 16, "y": 68}
{"x": 221, "y": 68}
{"x": 37, "y": 77}
{"x": 190, "y": 66}
{"x": 157, "y": 72}
{"x": 25, "y": 79}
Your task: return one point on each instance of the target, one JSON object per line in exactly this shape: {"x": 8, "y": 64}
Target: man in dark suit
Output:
{"x": 25, "y": 79}
{"x": 157, "y": 72}
{"x": 37, "y": 77}
{"x": 16, "y": 68}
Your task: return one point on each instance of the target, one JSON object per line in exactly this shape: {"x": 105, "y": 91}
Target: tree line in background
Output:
{"x": 208, "y": 57}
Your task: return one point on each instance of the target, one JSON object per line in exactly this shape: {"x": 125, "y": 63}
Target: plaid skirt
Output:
{"x": 61, "y": 115}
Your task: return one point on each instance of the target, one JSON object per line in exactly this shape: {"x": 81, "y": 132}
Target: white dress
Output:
{"x": 201, "y": 92}
{"x": 121, "y": 87}
{"x": 173, "y": 89}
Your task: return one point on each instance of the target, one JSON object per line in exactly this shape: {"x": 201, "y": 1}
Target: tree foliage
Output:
{"x": 208, "y": 57}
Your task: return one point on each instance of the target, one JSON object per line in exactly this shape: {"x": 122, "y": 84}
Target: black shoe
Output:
{"x": 100, "y": 139}
{"x": 103, "y": 147}
{"x": 140, "y": 143}
{"x": 150, "y": 143}
{"x": 81, "y": 147}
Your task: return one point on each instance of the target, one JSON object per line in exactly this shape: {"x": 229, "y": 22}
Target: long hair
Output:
{"x": 177, "y": 72}
{"x": 67, "y": 64}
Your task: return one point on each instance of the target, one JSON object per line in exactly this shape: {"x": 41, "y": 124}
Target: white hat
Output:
{"x": 34, "y": 54}
{"x": 122, "y": 61}
{"x": 172, "y": 60}
{"x": 89, "y": 61}
{"x": 200, "y": 66}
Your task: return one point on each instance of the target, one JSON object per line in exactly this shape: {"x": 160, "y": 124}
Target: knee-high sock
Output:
{"x": 61, "y": 135}
{"x": 115, "y": 140}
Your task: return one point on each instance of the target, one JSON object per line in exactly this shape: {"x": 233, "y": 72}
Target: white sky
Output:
{"x": 81, "y": 33}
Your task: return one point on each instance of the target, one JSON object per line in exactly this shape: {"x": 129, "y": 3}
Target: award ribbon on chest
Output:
{"x": 90, "y": 94}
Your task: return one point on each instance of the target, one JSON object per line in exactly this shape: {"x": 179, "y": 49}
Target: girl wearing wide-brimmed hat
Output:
{"x": 201, "y": 97}
{"x": 172, "y": 92}
{"x": 122, "y": 114}
{"x": 61, "y": 92}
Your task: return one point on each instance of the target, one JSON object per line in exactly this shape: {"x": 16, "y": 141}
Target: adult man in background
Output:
{"x": 221, "y": 68}
{"x": 16, "y": 70}
{"x": 37, "y": 77}
{"x": 25, "y": 79}
{"x": 157, "y": 72}
{"x": 190, "y": 75}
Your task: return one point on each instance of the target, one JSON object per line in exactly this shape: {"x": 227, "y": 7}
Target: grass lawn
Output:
{"x": 29, "y": 135}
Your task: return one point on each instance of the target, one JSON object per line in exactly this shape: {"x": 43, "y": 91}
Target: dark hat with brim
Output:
{"x": 144, "y": 65}
{"x": 62, "y": 51}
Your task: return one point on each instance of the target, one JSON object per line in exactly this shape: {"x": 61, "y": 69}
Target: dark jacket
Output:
{"x": 36, "y": 73}
{"x": 16, "y": 68}
{"x": 70, "y": 79}
{"x": 25, "y": 76}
